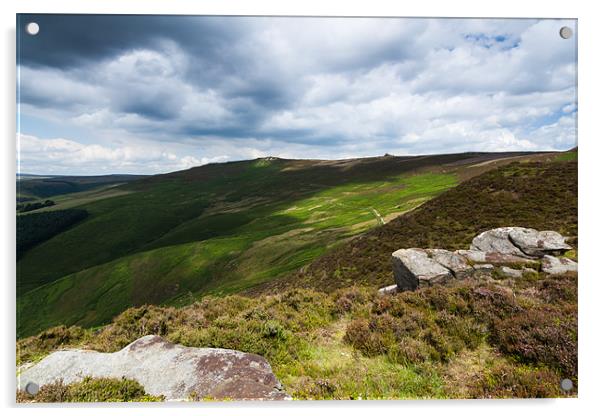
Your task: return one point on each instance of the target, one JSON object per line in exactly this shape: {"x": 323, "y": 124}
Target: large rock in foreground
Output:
{"x": 167, "y": 369}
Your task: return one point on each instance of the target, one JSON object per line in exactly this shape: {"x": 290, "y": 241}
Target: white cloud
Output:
{"x": 61, "y": 155}
{"x": 325, "y": 88}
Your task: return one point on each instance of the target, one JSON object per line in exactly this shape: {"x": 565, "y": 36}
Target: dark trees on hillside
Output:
{"x": 34, "y": 205}
{"x": 35, "y": 228}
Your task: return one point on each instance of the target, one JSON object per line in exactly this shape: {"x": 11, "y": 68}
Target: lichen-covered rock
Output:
{"x": 538, "y": 243}
{"x": 167, "y": 369}
{"x": 520, "y": 241}
{"x": 457, "y": 264}
{"x": 496, "y": 241}
{"x": 508, "y": 251}
{"x": 413, "y": 267}
{"x": 558, "y": 265}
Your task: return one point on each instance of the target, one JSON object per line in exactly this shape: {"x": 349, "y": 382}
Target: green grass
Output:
{"x": 237, "y": 250}
{"x": 469, "y": 339}
{"x": 540, "y": 195}
{"x": 570, "y": 156}
{"x": 90, "y": 390}
{"x": 332, "y": 369}
{"x": 216, "y": 229}
{"x": 76, "y": 199}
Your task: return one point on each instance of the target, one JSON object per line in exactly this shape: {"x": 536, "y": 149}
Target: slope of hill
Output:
{"x": 221, "y": 228}
{"x": 475, "y": 338}
{"x": 37, "y": 186}
{"x": 505, "y": 337}
{"x": 540, "y": 195}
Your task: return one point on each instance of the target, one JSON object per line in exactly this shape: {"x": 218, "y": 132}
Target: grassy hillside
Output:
{"x": 35, "y": 228}
{"x": 220, "y": 229}
{"x": 470, "y": 339}
{"x": 541, "y": 195}
{"x": 35, "y": 186}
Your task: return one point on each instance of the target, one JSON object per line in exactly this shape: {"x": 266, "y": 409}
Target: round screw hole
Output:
{"x": 32, "y": 28}
{"x": 566, "y": 32}
{"x": 566, "y": 385}
{"x": 32, "y": 388}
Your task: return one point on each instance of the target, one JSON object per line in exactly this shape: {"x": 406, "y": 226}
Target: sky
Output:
{"x": 101, "y": 94}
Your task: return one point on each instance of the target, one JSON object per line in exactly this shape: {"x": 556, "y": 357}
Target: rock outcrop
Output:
{"x": 457, "y": 264}
{"x": 556, "y": 265}
{"x": 496, "y": 241}
{"x": 512, "y": 251}
{"x": 167, "y": 369}
{"x": 521, "y": 242}
{"x": 510, "y": 272}
{"x": 413, "y": 267}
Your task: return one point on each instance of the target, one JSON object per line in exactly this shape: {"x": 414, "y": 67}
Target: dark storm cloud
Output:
{"x": 219, "y": 46}
{"x": 68, "y": 40}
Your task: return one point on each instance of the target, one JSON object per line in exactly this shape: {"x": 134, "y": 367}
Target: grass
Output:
{"x": 332, "y": 369}
{"x": 76, "y": 199}
{"x": 540, "y": 195}
{"x": 229, "y": 199}
{"x": 216, "y": 229}
{"x": 438, "y": 342}
{"x": 51, "y": 186}
{"x": 570, "y": 156}
{"x": 324, "y": 330}
{"x": 90, "y": 390}
{"x": 235, "y": 245}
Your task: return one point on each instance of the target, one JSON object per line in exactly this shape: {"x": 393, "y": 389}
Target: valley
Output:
{"x": 218, "y": 229}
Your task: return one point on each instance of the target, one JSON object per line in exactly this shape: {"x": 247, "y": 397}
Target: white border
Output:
{"x": 590, "y": 94}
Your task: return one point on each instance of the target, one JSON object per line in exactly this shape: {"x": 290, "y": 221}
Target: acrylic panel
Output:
{"x": 276, "y": 208}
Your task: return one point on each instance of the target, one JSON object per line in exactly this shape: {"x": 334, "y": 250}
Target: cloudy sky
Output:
{"x": 150, "y": 94}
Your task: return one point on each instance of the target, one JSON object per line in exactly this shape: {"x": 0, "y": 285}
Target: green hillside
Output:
{"x": 472, "y": 338}
{"x": 36, "y": 186}
{"x": 219, "y": 229}
{"x": 538, "y": 194}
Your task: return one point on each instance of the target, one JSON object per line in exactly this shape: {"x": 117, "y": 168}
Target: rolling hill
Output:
{"x": 31, "y": 187}
{"x": 221, "y": 228}
{"x": 327, "y": 333}
{"x": 540, "y": 194}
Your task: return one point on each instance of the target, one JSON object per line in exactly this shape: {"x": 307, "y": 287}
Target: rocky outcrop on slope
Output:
{"x": 505, "y": 252}
{"x": 163, "y": 368}
{"x": 557, "y": 265}
{"x": 519, "y": 241}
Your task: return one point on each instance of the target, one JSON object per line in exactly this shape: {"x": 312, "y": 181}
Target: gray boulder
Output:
{"x": 458, "y": 264}
{"x": 538, "y": 243}
{"x": 509, "y": 272}
{"x": 496, "y": 241}
{"x": 413, "y": 268}
{"x": 557, "y": 265}
{"x": 167, "y": 369}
